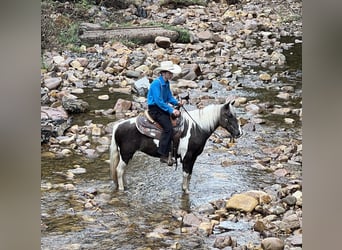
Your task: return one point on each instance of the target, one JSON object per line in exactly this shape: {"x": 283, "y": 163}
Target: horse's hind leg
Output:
{"x": 120, "y": 171}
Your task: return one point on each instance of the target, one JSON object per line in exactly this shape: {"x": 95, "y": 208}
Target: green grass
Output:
{"x": 69, "y": 35}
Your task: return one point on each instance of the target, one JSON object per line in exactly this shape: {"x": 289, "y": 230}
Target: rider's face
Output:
{"x": 168, "y": 75}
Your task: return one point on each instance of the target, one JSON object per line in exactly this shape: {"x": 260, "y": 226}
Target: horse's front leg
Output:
{"x": 120, "y": 170}
{"x": 186, "y": 182}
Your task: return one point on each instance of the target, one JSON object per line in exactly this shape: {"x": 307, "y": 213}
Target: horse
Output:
{"x": 198, "y": 125}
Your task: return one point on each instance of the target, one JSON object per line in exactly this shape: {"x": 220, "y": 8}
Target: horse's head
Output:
{"x": 229, "y": 121}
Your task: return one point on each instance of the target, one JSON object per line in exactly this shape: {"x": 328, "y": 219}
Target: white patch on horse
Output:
{"x": 184, "y": 142}
{"x": 156, "y": 141}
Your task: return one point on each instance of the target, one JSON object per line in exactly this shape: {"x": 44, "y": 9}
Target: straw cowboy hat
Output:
{"x": 169, "y": 66}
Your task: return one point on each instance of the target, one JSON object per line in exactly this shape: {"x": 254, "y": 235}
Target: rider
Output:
{"x": 159, "y": 97}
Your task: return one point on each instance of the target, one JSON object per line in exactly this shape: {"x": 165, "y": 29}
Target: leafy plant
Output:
{"x": 69, "y": 35}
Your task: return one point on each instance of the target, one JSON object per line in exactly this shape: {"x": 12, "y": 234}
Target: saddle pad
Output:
{"x": 153, "y": 129}
{"x": 147, "y": 128}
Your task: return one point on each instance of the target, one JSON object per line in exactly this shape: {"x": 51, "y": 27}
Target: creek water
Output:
{"x": 137, "y": 217}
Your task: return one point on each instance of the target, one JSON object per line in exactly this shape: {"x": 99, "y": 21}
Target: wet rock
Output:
{"x": 54, "y": 121}
{"x": 78, "y": 170}
{"x": 253, "y": 108}
{"x": 296, "y": 240}
{"x": 292, "y": 222}
{"x": 69, "y": 187}
{"x": 265, "y": 77}
{"x": 122, "y": 105}
{"x": 289, "y": 120}
{"x": 261, "y": 196}
{"x": 222, "y": 242}
{"x": 205, "y": 228}
{"x": 285, "y": 96}
{"x": 103, "y": 97}
{"x": 191, "y": 220}
{"x": 280, "y": 172}
{"x": 272, "y": 243}
{"x": 242, "y": 202}
{"x": 73, "y": 105}
{"x": 259, "y": 226}
{"x": 52, "y": 83}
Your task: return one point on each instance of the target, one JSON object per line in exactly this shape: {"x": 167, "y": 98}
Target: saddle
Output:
{"x": 147, "y": 126}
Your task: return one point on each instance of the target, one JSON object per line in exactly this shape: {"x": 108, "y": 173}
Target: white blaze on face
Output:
{"x": 156, "y": 141}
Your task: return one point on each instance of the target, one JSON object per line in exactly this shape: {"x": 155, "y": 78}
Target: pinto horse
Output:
{"x": 198, "y": 125}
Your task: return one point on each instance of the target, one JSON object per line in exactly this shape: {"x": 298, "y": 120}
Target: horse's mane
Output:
{"x": 206, "y": 117}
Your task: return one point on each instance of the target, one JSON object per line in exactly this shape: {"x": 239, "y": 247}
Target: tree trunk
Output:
{"x": 93, "y": 34}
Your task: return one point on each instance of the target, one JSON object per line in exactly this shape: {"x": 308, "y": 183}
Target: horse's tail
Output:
{"x": 114, "y": 156}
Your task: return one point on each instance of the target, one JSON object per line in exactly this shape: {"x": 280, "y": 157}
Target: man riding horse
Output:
{"x": 159, "y": 97}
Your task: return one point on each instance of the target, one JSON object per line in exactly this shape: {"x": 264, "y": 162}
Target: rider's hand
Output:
{"x": 176, "y": 112}
{"x": 181, "y": 103}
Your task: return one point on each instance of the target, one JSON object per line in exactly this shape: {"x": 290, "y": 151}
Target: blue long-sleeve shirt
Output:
{"x": 160, "y": 94}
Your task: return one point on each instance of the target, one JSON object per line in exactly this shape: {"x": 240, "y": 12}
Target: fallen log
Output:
{"x": 92, "y": 34}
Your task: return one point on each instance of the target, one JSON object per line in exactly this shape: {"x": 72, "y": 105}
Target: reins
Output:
{"x": 191, "y": 117}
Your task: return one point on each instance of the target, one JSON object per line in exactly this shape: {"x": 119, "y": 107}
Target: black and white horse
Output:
{"x": 199, "y": 124}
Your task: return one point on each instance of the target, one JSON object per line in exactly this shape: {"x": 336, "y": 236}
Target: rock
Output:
{"x": 141, "y": 86}
{"x": 222, "y": 242}
{"x": 54, "y": 121}
{"x": 103, "y": 97}
{"x": 253, "y": 108}
{"x": 186, "y": 84}
{"x": 242, "y": 202}
{"x": 290, "y": 200}
{"x": 191, "y": 220}
{"x": 52, "y": 83}
{"x": 272, "y": 243}
{"x": 289, "y": 120}
{"x": 292, "y": 222}
{"x": 96, "y": 131}
{"x": 205, "y": 228}
{"x": 69, "y": 187}
{"x": 298, "y": 194}
{"x": 281, "y": 111}
{"x": 78, "y": 170}
{"x": 74, "y": 105}
{"x": 296, "y": 240}
{"x": 265, "y": 77}
{"x": 285, "y": 96}
{"x": 163, "y": 42}
{"x": 122, "y": 105}
{"x": 261, "y": 196}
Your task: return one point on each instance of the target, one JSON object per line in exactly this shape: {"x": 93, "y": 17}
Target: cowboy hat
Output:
{"x": 169, "y": 66}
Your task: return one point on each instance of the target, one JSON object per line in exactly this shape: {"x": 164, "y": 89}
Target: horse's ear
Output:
{"x": 227, "y": 105}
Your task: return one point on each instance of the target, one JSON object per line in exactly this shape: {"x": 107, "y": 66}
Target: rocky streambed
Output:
{"x": 244, "y": 195}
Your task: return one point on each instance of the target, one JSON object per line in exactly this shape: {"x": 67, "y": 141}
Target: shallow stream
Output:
{"x": 133, "y": 218}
